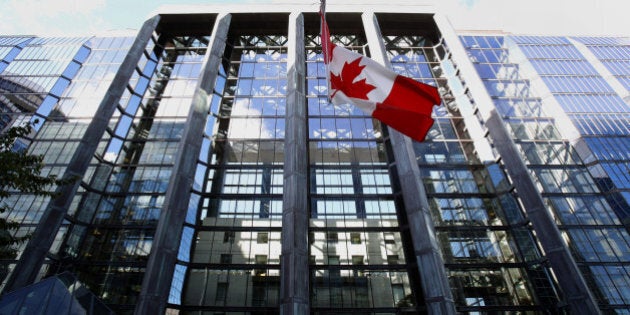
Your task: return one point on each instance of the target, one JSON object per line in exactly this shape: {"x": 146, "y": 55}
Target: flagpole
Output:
{"x": 324, "y": 43}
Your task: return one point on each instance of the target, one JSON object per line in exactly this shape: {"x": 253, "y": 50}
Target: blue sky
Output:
{"x": 56, "y": 17}
{"x": 550, "y": 17}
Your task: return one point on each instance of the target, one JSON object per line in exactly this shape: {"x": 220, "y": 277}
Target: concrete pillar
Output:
{"x": 156, "y": 283}
{"x": 32, "y": 258}
{"x": 575, "y": 291}
{"x": 435, "y": 286}
{"x": 294, "y": 272}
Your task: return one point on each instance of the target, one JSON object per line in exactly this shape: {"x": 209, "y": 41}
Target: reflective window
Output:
{"x": 580, "y": 183}
{"x": 235, "y": 209}
{"x": 354, "y": 229}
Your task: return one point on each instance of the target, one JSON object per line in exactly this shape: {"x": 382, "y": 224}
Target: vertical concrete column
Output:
{"x": 576, "y": 293}
{"x": 156, "y": 283}
{"x": 435, "y": 286}
{"x": 294, "y": 273}
{"x": 38, "y": 246}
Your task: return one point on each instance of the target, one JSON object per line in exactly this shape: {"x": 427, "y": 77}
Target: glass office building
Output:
{"x": 214, "y": 177}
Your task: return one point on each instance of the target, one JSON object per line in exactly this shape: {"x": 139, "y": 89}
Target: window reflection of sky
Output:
{"x": 600, "y": 116}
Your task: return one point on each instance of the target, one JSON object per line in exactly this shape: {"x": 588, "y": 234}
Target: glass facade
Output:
{"x": 39, "y": 71}
{"x": 357, "y": 258}
{"x": 491, "y": 258}
{"x": 57, "y": 83}
{"x": 604, "y": 127}
{"x": 123, "y": 191}
{"x": 563, "y": 101}
{"x": 235, "y": 209}
{"x": 588, "y": 216}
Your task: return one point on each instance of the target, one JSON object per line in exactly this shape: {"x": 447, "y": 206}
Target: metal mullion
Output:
{"x": 215, "y": 266}
{"x": 366, "y": 267}
{"x": 477, "y": 228}
{"x": 501, "y": 308}
{"x": 233, "y": 228}
{"x": 354, "y": 196}
{"x": 357, "y": 310}
{"x": 213, "y": 308}
{"x": 354, "y": 229}
{"x": 239, "y": 196}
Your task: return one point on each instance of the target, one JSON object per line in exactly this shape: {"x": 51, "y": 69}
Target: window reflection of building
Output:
{"x": 115, "y": 220}
{"x": 584, "y": 211}
{"x": 354, "y": 227}
{"x": 468, "y": 209}
{"x": 16, "y": 99}
{"x": 40, "y": 85}
{"x": 239, "y": 195}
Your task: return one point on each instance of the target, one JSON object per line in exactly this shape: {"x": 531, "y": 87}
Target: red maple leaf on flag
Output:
{"x": 344, "y": 81}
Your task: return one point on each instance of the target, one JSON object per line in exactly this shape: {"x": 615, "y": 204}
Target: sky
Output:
{"x": 530, "y": 17}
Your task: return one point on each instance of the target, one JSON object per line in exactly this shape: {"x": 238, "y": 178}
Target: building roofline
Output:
{"x": 403, "y": 7}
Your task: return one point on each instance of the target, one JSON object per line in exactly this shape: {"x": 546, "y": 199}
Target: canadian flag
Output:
{"x": 400, "y": 102}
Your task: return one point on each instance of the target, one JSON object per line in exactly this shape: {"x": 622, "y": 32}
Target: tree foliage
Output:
{"x": 20, "y": 172}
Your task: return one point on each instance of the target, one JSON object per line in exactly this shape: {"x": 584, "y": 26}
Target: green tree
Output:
{"x": 20, "y": 172}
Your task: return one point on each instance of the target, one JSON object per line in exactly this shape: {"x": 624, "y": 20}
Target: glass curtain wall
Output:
{"x": 602, "y": 117}
{"x": 22, "y": 98}
{"x": 40, "y": 69}
{"x": 114, "y": 215}
{"x": 232, "y": 263}
{"x": 594, "y": 233}
{"x": 357, "y": 259}
{"x": 491, "y": 259}
{"x": 53, "y": 81}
